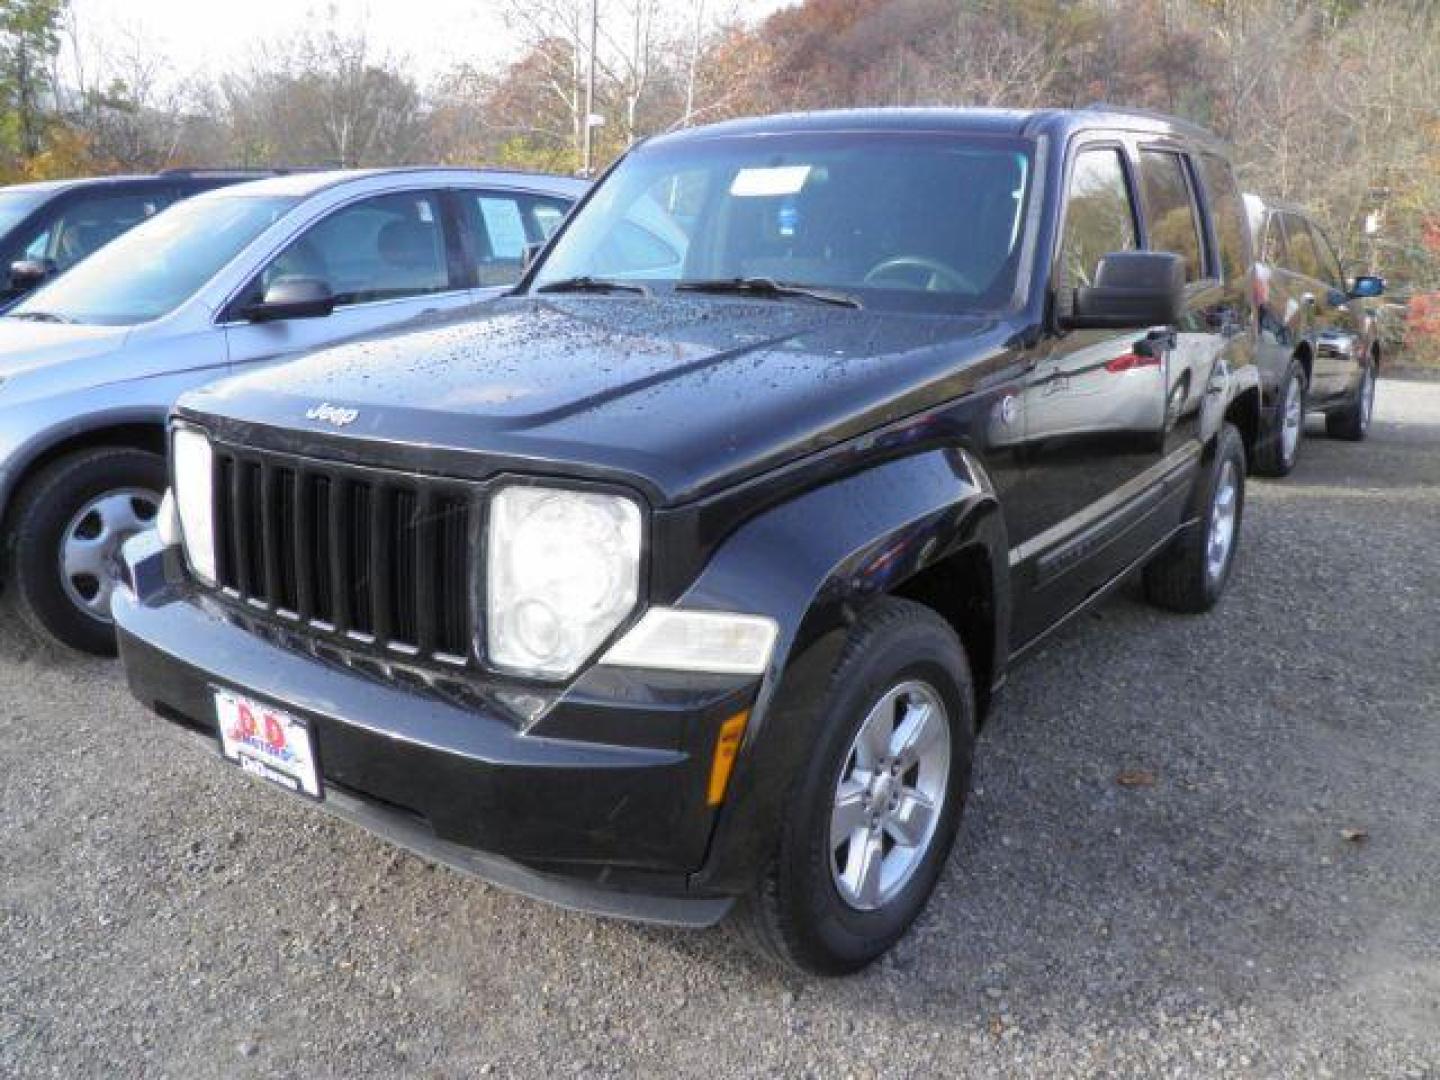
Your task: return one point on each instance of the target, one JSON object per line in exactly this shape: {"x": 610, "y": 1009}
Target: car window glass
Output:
{"x": 86, "y": 225}
{"x": 1303, "y": 257}
{"x": 901, "y": 220}
{"x": 501, "y": 225}
{"x": 157, "y": 266}
{"x": 383, "y": 248}
{"x": 1170, "y": 214}
{"x": 652, "y": 238}
{"x": 1227, "y": 214}
{"x": 1099, "y": 216}
{"x": 1329, "y": 264}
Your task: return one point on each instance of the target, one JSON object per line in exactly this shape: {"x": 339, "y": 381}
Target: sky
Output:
{"x": 209, "y": 37}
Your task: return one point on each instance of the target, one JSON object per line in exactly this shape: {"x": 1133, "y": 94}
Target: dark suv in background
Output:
{"x": 48, "y": 227}
{"x": 1319, "y": 347}
{"x": 681, "y": 577}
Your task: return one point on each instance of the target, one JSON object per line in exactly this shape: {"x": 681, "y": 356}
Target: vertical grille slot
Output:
{"x": 382, "y": 560}
{"x": 405, "y": 551}
{"x": 359, "y": 538}
{"x": 452, "y": 578}
{"x": 318, "y": 554}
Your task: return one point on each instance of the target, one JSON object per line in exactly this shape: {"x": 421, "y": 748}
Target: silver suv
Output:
{"x": 91, "y": 363}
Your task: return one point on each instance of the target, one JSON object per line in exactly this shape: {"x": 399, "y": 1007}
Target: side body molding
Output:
{"x": 812, "y": 564}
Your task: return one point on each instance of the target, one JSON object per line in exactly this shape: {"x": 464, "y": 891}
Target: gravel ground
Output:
{"x": 1259, "y": 898}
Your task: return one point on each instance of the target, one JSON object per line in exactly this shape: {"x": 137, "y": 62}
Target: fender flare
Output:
{"x": 813, "y": 564}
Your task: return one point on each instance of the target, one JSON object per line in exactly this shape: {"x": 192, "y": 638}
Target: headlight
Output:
{"x": 194, "y": 485}
{"x": 563, "y": 572}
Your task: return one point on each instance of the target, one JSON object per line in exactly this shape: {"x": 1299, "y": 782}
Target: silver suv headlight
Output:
{"x": 563, "y": 572}
{"x": 193, "y": 465}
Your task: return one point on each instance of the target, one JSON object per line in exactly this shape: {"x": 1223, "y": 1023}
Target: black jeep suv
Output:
{"x": 682, "y": 576}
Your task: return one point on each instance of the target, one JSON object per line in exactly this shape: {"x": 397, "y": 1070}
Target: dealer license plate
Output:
{"x": 268, "y": 743}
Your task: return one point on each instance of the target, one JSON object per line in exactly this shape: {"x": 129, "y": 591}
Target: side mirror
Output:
{"x": 27, "y": 274}
{"x": 1367, "y": 286}
{"x": 293, "y": 298}
{"x": 1132, "y": 289}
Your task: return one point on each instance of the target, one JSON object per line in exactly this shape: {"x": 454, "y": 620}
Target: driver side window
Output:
{"x": 384, "y": 248}
{"x": 1099, "y": 215}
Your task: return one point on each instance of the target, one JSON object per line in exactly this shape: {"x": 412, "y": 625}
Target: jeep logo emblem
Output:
{"x": 332, "y": 414}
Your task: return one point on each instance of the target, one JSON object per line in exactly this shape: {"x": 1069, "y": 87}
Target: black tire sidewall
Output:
{"x": 43, "y": 511}
{"x": 841, "y": 937}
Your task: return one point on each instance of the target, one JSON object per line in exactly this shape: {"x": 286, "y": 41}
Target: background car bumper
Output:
{"x": 606, "y": 828}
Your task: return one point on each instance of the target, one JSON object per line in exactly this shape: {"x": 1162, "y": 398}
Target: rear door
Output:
{"x": 386, "y": 258}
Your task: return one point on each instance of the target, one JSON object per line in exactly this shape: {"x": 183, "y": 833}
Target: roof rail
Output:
{"x": 1149, "y": 114}
{"x": 247, "y": 170}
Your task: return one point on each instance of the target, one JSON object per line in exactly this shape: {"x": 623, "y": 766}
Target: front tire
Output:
{"x": 63, "y": 544}
{"x": 1277, "y": 452}
{"x": 1352, "y": 421}
{"x": 873, "y": 815}
{"x": 1190, "y": 574}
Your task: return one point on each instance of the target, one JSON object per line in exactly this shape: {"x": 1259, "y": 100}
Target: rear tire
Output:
{"x": 85, "y": 504}
{"x": 858, "y": 858}
{"x": 1190, "y": 574}
{"x": 1352, "y": 421}
{"x": 1279, "y": 449}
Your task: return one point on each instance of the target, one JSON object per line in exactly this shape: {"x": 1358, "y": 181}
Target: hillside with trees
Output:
{"x": 1331, "y": 103}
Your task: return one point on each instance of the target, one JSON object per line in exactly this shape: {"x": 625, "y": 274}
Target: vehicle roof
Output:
{"x": 1015, "y": 122}
{"x": 306, "y": 184}
{"x": 55, "y": 187}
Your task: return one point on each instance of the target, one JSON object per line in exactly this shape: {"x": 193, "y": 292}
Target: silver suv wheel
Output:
{"x": 890, "y": 795}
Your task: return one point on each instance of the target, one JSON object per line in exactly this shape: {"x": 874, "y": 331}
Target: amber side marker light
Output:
{"x": 727, "y": 745}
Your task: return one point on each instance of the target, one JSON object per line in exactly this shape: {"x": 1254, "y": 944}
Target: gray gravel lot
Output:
{"x": 163, "y": 915}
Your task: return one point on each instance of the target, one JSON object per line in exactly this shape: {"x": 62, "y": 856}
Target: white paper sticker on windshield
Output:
{"x": 776, "y": 180}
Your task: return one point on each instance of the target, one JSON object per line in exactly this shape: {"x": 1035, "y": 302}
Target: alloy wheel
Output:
{"x": 890, "y": 795}
{"x": 1224, "y": 512}
{"x": 1292, "y": 419}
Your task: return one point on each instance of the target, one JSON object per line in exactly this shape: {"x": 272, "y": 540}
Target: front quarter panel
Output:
{"x": 35, "y": 417}
{"x": 813, "y": 564}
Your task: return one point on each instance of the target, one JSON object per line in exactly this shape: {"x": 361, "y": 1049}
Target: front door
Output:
{"x": 386, "y": 259}
{"x": 1093, "y": 409}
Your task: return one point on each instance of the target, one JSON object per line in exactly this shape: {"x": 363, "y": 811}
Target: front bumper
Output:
{"x": 598, "y": 805}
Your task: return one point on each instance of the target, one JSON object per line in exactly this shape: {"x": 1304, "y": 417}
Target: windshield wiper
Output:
{"x": 39, "y": 316}
{"x": 764, "y": 286}
{"x": 586, "y": 283}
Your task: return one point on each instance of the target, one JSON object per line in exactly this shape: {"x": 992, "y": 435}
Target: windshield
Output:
{"x": 154, "y": 268}
{"x": 918, "y": 221}
{"x": 14, "y": 205}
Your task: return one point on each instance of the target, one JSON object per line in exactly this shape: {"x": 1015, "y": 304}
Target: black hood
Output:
{"x": 680, "y": 396}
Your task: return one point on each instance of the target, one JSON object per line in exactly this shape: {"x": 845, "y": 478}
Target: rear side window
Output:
{"x": 1170, "y": 210}
{"x": 1227, "y": 214}
{"x": 501, "y": 225}
{"x": 1304, "y": 259}
{"x": 1099, "y": 215}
